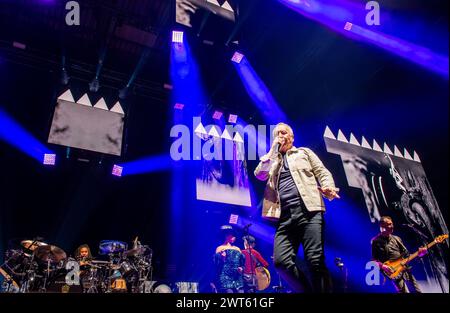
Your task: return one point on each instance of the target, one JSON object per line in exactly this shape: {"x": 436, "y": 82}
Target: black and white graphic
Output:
{"x": 222, "y": 180}
{"x": 81, "y": 125}
{"x": 187, "y": 11}
{"x": 395, "y": 184}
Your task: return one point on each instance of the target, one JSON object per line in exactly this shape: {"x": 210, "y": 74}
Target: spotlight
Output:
{"x": 179, "y": 106}
{"x": 94, "y": 86}
{"x": 237, "y": 57}
{"x": 233, "y": 219}
{"x": 123, "y": 93}
{"x": 19, "y": 45}
{"x": 232, "y": 118}
{"x": 348, "y": 26}
{"x": 177, "y": 36}
{"x": 117, "y": 170}
{"x": 64, "y": 77}
{"x": 217, "y": 115}
{"x": 49, "y": 159}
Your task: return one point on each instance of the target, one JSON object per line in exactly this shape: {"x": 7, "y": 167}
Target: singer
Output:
{"x": 294, "y": 199}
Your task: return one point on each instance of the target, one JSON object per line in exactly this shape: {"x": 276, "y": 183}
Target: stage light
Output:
{"x": 232, "y": 118}
{"x": 14, "y": 134}
{"x": 179, "y": 106}
{"x": 150, "y": 164}
{"x": 117, "y": 170}
{"x": 348, "y": 26}
{"x": 19, "y": 45}
{"x": 177, "y": 36}
{"x": 217, "y": 115}
{"x": 123, "y": 93}
{"x": 64, "y": 77}
{"x": 260, "y": 94}
{"x": 49, "y": 159}
{"x": 237, "y": 57}
{"x": 233, "y": 219}
{"x": 94, "y": 86}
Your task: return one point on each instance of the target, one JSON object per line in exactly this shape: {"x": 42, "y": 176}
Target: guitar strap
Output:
{"x": 400, "y": 243}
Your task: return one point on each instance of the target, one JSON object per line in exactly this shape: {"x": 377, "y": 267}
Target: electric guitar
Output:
{"x": 398, "y": 266}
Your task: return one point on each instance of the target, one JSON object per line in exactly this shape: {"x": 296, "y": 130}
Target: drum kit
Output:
{"x": 35, "y": 266}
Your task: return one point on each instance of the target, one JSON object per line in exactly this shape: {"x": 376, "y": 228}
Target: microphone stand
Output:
{"x": 344, "y": 272}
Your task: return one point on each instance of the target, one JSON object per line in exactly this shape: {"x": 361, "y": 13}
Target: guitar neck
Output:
{"x": 415, "y": 254}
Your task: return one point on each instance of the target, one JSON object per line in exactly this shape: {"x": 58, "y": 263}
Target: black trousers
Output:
{"x": 296, "y": 227}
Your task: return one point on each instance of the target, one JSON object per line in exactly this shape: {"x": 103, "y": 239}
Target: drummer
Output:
{"x": 83, "y": 254}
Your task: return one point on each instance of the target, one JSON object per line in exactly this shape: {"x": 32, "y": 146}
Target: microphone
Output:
{"x": 338, "y": 262}
{"x": 247, "y": 226}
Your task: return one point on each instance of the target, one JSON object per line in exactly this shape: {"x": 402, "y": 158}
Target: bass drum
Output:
{"x": 262, "y": 278}
{"x": 119, "y": 285}
{"x": 156, "y": 287}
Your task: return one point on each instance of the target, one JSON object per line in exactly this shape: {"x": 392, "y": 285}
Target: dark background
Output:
{"x": 318, "y": 77}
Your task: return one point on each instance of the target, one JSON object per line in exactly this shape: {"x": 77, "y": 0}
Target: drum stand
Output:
{"x": 93, "y": 280}
{"x": 110, "y": 273}
{"x": 46, "y": 277}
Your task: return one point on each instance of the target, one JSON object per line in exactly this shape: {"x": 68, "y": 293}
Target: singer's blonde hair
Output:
{"x": 289, "y": 128}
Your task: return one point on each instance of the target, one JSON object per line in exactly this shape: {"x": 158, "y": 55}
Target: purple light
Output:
{"x": 233, "y": 219}
{"x": 179, "y": 106}
{"x": 217, "y": 115}
{"x": 417, "y": 54}
{"x": 117, "y": 170}
{"x": 232, "y": 118}
{"x": 237, "y": 57}
{"x": 177, "y": 36}
{"x": 19, "y": 45}
{"x": 259, "y": 93}
{"x": 49, "y": 159}
{"x": 345, "y": 16}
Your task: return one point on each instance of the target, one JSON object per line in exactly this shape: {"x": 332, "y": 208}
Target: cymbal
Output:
{"x": 112, "y": 246}
{"x": 50, "y": 253}
{"x": 32, "y": 244}
{"x": 137, "y": 251}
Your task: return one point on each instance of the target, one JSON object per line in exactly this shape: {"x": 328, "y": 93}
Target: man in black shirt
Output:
{"x": 294, "y": 198}
{"x": 387, "y": 247}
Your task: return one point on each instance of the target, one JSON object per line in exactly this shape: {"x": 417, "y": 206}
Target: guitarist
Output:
{"x": 253, "y": 259}
{"x": 388, "y": 247}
